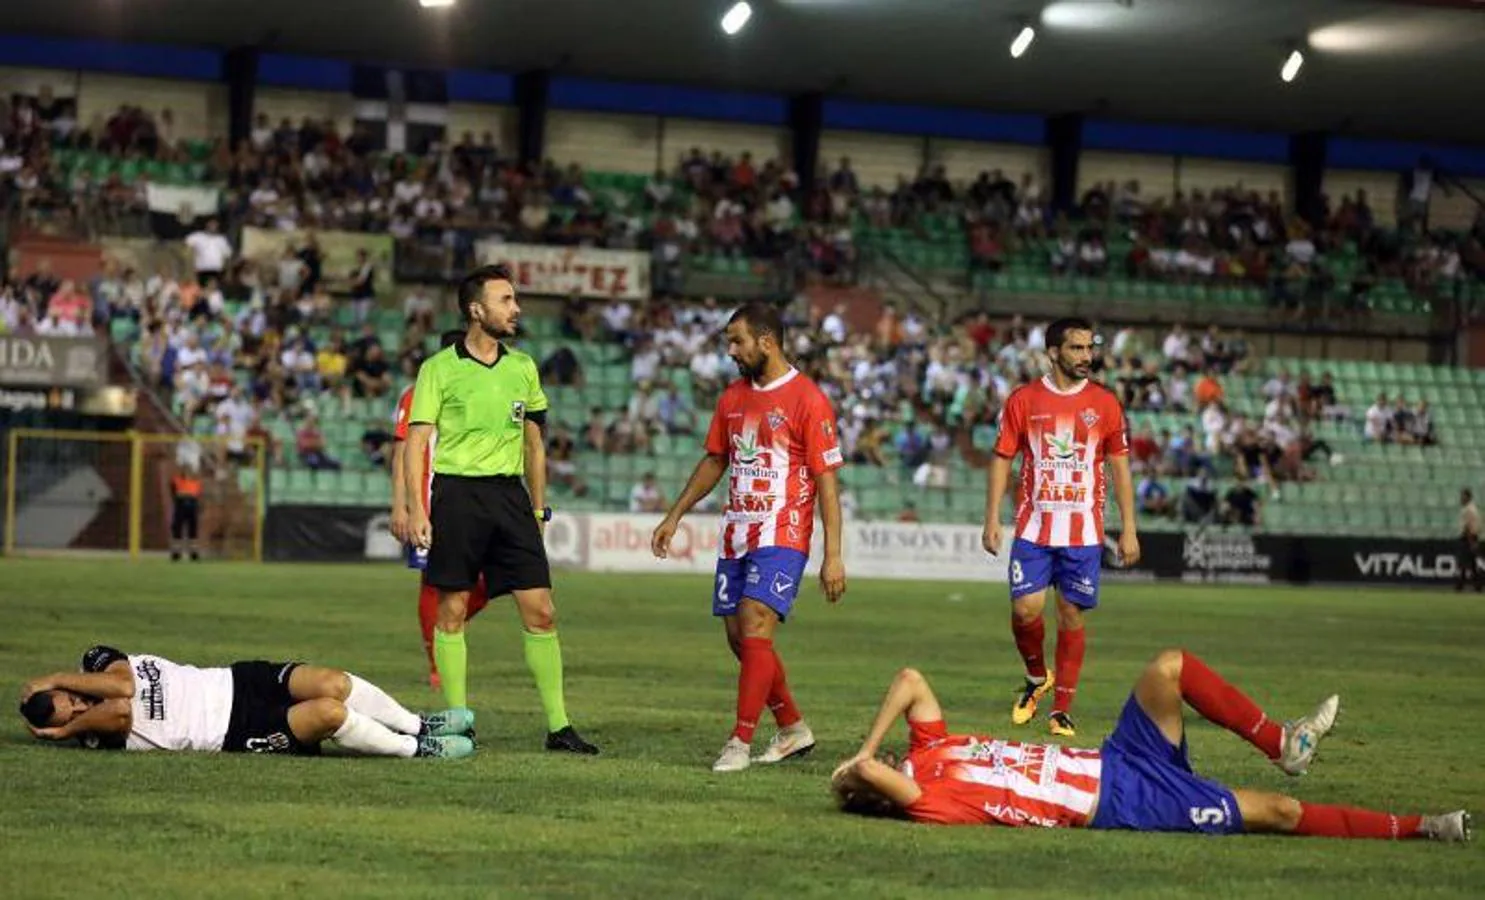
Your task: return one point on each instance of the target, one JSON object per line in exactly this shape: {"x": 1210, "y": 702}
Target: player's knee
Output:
{"x": 337, "y": 685}
{"x": 910, "y": 676}
{"x": 327, "y": 713}
{"x": 1027, "y": 609}
{"x": 1286, "y": 813}
{"x": 538, "y": 613}
{"x": 1168, "y": 663}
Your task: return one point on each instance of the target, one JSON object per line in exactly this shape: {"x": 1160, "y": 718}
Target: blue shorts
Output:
{"x": 770, "y": 575}
{"x": 1148, "y": 784}
{"x": 1073, "y": 570}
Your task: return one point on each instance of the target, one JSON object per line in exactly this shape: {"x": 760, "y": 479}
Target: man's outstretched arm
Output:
{"x": 908, "y": 696}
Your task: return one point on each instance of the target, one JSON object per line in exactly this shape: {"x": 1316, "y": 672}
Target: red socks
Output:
{"x": 1029, "y": 638}
{"x": 1222, "y": 704}
{"x": 780, "y": 701}
{"x": 427, "y": 618}
{"x": 1070, "y": 646}
{"x": 1321, "y": 820}
{"x": 759, "y": 666}
{"x": 428, "y": 613}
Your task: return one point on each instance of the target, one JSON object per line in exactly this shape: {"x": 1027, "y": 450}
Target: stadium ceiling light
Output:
{"x": 435, "y": 4}
{"x": 1292, "y": 66}
{"x": 1022, "y": 42}
{"x": 737, "y": 17}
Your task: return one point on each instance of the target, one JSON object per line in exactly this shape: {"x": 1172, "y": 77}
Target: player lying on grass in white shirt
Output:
{"x": 141, "y": 702}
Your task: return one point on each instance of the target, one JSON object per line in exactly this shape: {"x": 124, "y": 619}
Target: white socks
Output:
{"x": 368, "y": 699}
{"x": 364, "y": 735}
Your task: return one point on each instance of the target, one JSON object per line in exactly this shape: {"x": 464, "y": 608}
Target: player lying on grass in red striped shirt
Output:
{"x": 141, "y": 702}
{"x": 1140, "y": 779}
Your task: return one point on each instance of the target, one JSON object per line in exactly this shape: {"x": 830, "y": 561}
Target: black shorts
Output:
{"x": 185, "y": 521}
{"x": 260, "y": 711}
{"x": 485, "y": 525}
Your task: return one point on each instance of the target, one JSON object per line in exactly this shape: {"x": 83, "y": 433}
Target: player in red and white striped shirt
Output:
{"x": 401, "y": 510}
{"x": 774, "y": 435}
{"x": 1064, "y": 427}
{"x": 1139, "y": 780}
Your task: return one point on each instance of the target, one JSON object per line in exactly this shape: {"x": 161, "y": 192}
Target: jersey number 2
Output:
{"x": 722, "y": 588}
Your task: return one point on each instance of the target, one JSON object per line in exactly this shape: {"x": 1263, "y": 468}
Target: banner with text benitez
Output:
{"x": 42, "y": 361}
{"x": 564, "y": 271}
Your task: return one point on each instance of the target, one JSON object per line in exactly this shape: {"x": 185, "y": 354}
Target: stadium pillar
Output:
{"x": 1064, "y": 146}
{"x": 806, "y": 121}
{"x": 1307, "y": 151}
{"x": 240, "y": 71}
{"x": 531, "y": 89}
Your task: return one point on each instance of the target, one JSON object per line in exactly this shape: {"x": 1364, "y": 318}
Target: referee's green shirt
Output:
{"x": 479, "y": 410}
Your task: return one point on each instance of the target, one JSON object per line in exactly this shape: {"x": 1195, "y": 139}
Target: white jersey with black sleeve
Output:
{"x": 174, "y": 707}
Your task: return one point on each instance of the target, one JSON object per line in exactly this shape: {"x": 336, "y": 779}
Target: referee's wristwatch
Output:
{"x": 544, "y": 514}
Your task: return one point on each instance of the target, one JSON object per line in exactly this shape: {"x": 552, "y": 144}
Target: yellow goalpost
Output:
{"x": 110, "y": 492}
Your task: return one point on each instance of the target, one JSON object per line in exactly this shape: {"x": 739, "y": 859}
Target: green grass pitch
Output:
{"x": 649, "y": 679}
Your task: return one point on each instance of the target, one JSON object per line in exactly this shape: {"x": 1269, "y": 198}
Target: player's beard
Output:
{"x": 498, "y": 332}
{"x": 1070, "y": 372}
{"x": 750, "y": 371}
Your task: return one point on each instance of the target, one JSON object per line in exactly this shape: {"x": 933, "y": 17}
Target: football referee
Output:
{"x": 485, "y": 403}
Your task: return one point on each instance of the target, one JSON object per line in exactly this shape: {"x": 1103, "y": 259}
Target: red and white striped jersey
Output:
{"x": 399, "y": 432}
{"x": 976, "y": 780}
{"x": 1063, "y": 438}
{"x": 777, "y": 438}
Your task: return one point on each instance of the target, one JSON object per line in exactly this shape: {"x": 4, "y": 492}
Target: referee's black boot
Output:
{"x": 569, "y": 741}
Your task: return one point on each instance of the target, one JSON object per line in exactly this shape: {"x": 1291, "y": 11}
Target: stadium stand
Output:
{"x": 270, "y": 351}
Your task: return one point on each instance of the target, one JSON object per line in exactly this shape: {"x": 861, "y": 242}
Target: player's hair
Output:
{"x": 472, "y": 286}
{"x": 761, "y": 318}
{"x": 1057, "y": 331}
{"x": 39, "y": 708}
{"x": 450, "y": 338}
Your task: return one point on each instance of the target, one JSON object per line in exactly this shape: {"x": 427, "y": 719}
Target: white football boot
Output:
{"x": 1302, "y": 736}
{"x": 787, "y": 743}
{"x": 735, "y": 757}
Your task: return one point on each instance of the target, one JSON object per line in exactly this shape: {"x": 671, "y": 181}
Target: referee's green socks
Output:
{"x": 452, "y": 658}
{"x": 544, "y": 659}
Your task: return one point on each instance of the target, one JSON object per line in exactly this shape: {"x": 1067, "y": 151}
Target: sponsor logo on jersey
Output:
{"x": 1062, "y": 445}
{"x": 152, "y": 694}
{"x": 776, "y": 418}
{"x": 828, "y": 427}
{"x": 782, "y": 585}
{"x": 1089, "y": 417}
{"x": 754, "y": 503}
{"x": 833, "y": 457}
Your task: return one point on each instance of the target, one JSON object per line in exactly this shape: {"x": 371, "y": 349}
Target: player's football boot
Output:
{"x": 449, "y": 722}
{"x": 1061, "y": 724}
{"x": 787, "y": 743}
{"x": 1025, "y": 709}
{"x": 735, "y": 757}
{"x": 1452, "y": 828}
{"x": 455, "y": 746}
{"x": 1302, "y": 736}
{"x": 567, "y": 740}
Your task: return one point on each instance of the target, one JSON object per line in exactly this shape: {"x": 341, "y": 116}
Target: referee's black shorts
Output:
{"x": 485, "y": 525}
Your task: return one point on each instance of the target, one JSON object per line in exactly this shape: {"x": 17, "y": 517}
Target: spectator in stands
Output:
{"x": 332, "y": 365}
{"x": 210, "y": 251}
{"x": 362, "y": 279}
{"x": 908, "y": 515}
{"x": 675, "y": 412}
{"x": 374, "y": 443}
{"x": 309, "y": 441}
{"x": 418, "y": 308}
{"x": 1145, "y": 451}
{"x": 371, "y": 375}
{"x": 1324, "y": 401}
{"x": 646, "y": 497}
{"x": 1208, "y": 389}
{"x": 1177, "y": 347}
{"x": 1243, "y": 505}
{"x": 1093, "y": 257}
{"x": 1199, "y": 501}
{"x": 562, "y": 466}
{"x": 562, "y": 368}
{"x": 1377, "y": 427}
{"x": 1421, "y": 427}
{"x": 869, "y": 447}
{"x": 1153, "y": 496}
{"x": 1400, "y": 426}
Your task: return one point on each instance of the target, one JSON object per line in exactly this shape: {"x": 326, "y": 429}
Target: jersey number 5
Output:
{"x": 1209, "y": 815}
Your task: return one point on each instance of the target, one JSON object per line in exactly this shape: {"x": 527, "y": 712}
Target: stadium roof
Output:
{"x": 1404, "y": 68}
